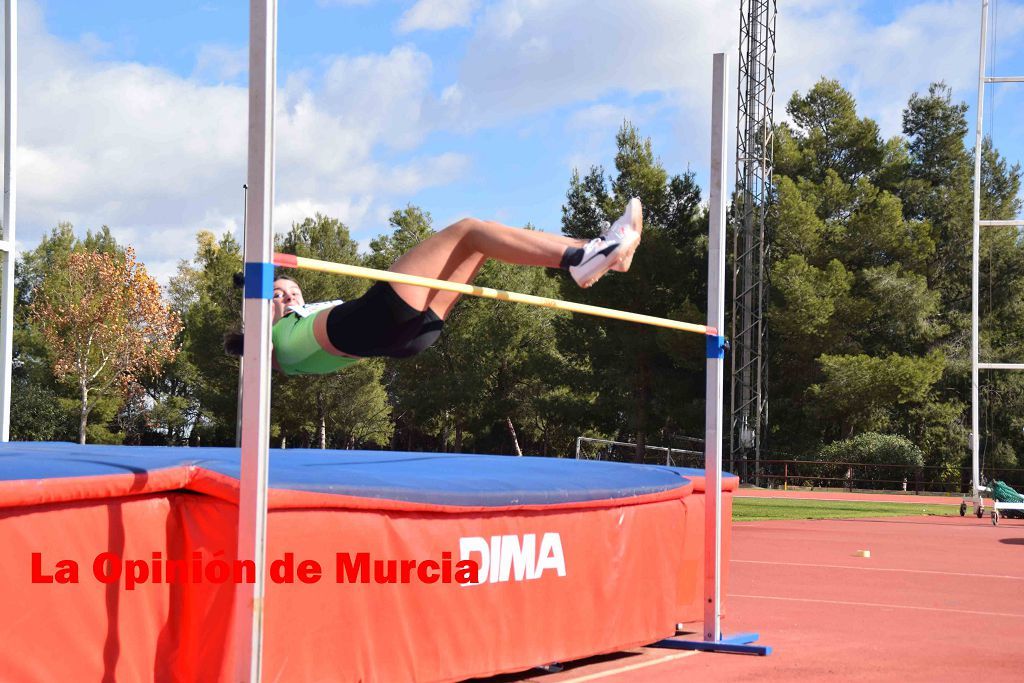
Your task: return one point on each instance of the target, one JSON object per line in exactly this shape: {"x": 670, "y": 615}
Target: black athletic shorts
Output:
{"x": 380, "y": 323}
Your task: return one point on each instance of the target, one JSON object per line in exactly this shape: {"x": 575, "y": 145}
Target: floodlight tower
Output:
{"x": 754, "y": 153}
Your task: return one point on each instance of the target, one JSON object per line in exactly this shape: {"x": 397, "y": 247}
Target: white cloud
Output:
{"x": 94, "y": 45}
{"x": 344, "y": 3}
{"x": 530, "y": 55}
{"x": 157, "y": 156}
{"x": 601, "y": 116}
{"x": 351, "y": 193}
{"x": 644, "y": 61}
{"x": 590, "y": 130}
{"x": 527, "y": 57}
{"x": 883, "y": 65}
{"x": 221, "y": 62}
{"x": 290, "y": 212}
{"x": 437, "y": 15}
{"x": 381, "y": 95}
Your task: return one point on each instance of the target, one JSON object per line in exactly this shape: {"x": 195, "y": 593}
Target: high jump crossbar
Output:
{"x": 303, "y": 263}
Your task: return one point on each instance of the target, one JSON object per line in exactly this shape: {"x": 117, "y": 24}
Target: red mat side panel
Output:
{"x": 603, "y": 579}
{"x": 618, "y": 591}
{"x": 157, "y": 631}
{"x": 690, "y": 588}
{"x": 209, "y": 528}
{"x": 22, "y": 492}
{"x": 87, "y": 630}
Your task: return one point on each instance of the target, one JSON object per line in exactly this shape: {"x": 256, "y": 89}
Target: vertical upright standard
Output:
{"x": 979, "y": 223}
{"x": 7, "y": 253}
{"x": 715, "y": 386}
{"x": 259, "y": 273}
{"x": 714, "y": 390}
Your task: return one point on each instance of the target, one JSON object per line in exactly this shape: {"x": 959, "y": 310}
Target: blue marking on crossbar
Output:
{"x": 715, "y": 346}
{"x": 259, "y": 280}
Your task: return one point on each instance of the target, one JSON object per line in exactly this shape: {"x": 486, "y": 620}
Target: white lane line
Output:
{"x": 631, "y": 667}
{"x": 881, "y": 605}
{"x": 885, "y": 569}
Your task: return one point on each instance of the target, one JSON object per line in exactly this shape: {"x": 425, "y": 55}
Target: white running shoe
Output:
{"x": 631, "y": 221}
{"x": 600, "y": 255}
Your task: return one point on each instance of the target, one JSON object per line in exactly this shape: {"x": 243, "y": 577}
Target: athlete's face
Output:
{"x": 286, "y": 293}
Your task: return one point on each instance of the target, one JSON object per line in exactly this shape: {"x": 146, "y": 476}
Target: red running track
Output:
{"x": 939, "y": 599}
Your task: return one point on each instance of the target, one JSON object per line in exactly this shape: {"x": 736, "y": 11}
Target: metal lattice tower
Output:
{"x": 754, "y": 152}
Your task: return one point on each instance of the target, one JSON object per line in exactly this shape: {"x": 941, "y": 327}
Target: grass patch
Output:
{"x": 755, "y": 509}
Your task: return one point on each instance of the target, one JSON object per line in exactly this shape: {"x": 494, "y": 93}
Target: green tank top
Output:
{"x": 296, "y": 350}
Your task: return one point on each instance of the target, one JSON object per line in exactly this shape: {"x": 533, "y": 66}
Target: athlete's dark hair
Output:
{"x": 234, "y": 344}
{"x": 234, "y": 341}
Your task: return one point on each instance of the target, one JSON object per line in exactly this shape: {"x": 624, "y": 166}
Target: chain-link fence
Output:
{"x": 690, "y": 454}
{"x": 794, "y": 473}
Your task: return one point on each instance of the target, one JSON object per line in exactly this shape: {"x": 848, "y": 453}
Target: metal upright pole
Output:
{"x": 712, "y": 640}
{"x": 715, "y": 355}
{"x": 975, "y": 264}
{"x": 252, "y": 504}
{"x": 10, "y": 195}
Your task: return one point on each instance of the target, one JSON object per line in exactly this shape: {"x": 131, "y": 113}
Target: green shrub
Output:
{"x": 874, "y": 460}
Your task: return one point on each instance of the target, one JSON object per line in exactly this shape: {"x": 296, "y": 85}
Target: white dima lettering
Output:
{"x": 551, "y": 555}
{"x": 475, "y": 545}
{"x": 523, "y": 557}
{"x": 509, "y": 558}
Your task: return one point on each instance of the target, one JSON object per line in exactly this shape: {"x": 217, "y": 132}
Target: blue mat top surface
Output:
{"x": 433, "y": 478}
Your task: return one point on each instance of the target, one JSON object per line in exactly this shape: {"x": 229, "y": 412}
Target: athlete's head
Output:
{"x": 286, "y": 293}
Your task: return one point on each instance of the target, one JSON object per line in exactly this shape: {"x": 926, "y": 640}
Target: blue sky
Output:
{"x": 133, "y": 114}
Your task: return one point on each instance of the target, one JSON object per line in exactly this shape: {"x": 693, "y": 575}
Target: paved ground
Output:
{"x": 940, "y": 598}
